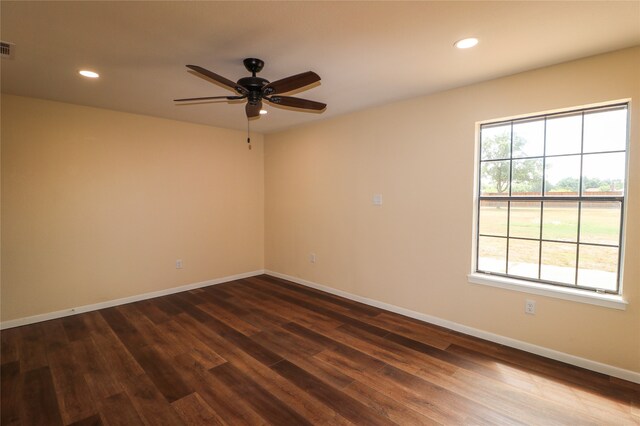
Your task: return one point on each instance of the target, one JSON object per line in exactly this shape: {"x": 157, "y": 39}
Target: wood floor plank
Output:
{"x": 32, "y": 348}
{"x": 9, "y": 391}
{"x": 364, "y": 367}
{"x": 117, "y": 410}
{"x": 505, "y": 399}
{"x": 382, "y": 404}
{"x": 347, "y": 406}
{"x": 429, "y": 399}
{"x": 190, "y": 297}
{"x": 255, "y": 305}
{"x": 152, "y": 361}
{"x": 387, "y": 351}
{"x": 9, "y": 343}
{"x": 287, "y": 310}
{"x": 220, "y": 398}
{"x": 547, "y": 371}
{"x": 152, "y": 311}
{"x": 38, "y": 402}
{"x": 54, "y": 336}
{"x": 150, "y": 332}
{"x": 295, "y": 355}
{"x": 95, "y": 323}
{"x": 121, "y": 362}
{"x": 72, "y": 391}
{"x": 437, "y": 372}
{"x": 96, "y": 371}
{"x": 234, "y": 337}
{"x": 263, "y": 350}
{"x": 94, "y": 420}
{"x": 162, "y": 373}
{"x": 268, "y": 406}
{"x": 193, "y": 410}
{"x": 229, "y": 318}
{"x": 356, "y": 307}
{"x": 319, "y": 299}
{"x": 153, "y": 406}
{"x": 306, "y": 405}
{"x": 75, "y": 327}
{"x": 413, "y": 330}
{"x": 319, "y": 307}
{"x": 303, "y": 313}
{"x": 175, "y": 333}
{"x": 445, "y": 398}
{"x": 165, "y": 305}
{"x": 257, "y": 321}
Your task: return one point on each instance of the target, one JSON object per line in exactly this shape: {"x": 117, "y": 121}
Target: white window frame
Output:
{"x": 609, "y": 300}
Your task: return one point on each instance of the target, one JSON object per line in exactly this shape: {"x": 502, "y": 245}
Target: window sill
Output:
{"x": 575, "y": 295}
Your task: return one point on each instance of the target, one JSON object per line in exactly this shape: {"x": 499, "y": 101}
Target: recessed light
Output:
{"x": 263, "y": 111}
{"x": 88, "y": 74}
{"x": 466, "y": 43}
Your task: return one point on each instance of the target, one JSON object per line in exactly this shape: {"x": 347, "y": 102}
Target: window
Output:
{"x": 551, "y": 198}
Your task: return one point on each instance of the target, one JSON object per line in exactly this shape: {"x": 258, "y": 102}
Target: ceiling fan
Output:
{"x": 256, "y": 89}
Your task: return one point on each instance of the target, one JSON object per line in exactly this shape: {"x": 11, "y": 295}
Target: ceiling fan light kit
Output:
{"x": 256, "y": 89}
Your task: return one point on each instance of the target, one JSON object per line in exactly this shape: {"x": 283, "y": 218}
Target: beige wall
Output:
{"x": 98, "y": 205}
{"x": 415, "y": 250}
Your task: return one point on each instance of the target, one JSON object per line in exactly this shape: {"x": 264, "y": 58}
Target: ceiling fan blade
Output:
{"x": 253, "y": 110}
{"x": 220, "y": 79}
{"x": 297, "y": 102}
{"x": 229, "y": 98}
{"x": 291, "y": 83}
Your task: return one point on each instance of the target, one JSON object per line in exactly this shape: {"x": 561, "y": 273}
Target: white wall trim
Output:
{"x": 588, "y": 364}
{"x": 116, "y": 302}
{"x": 558, "y": 292}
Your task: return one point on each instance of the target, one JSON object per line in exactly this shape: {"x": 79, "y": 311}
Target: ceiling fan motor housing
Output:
{"x": 254, "y": 85}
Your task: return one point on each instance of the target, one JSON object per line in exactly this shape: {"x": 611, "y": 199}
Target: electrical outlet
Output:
{"x": 179, "y": 264}
{"x": 530, "y": 307}
{"x": 312, "y": 257}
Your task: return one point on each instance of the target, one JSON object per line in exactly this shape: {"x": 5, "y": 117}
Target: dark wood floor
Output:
{"x": 267, "y": 351}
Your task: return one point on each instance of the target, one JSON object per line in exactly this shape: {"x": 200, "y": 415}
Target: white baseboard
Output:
{"x": 95, "y": 306}
{"x": 588, "y": 364}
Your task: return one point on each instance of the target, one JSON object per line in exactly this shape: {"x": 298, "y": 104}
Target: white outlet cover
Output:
{"x": 530, "y": 306}
{"x": 377, "y": 199}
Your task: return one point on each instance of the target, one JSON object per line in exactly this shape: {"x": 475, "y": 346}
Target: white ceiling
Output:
{"x": 367, "y": 53}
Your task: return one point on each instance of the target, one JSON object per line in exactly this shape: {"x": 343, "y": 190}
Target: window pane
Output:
{"x": 600, "y": 223}
{"x": 492, "y": 254}
{"x": 523, "y": 258}
{"x": 494, "y": 179}
{"x": 564, "y": 134}
{"x": 560, "y": 221}
{"x": 558, "y": 262}
{"x": 547, "y": 171}
{"x": 528, "y": 139}
{"x": 527, "y": 177}
{"x": 496, "y": 142}
{"x": 605, "y": 130}
{"x": 598, "y": 267}
{"x": 603, "y": 174}
{"x": 524, "y": 220}
{"x": 562, "y": 175}
{"x": 493, "y": 218}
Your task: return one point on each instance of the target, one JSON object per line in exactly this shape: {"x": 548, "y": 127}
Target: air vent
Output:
{"x": 7, "y": 50}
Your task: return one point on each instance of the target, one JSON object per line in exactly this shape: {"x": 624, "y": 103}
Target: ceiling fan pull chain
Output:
{"x": 248, "y": 134}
